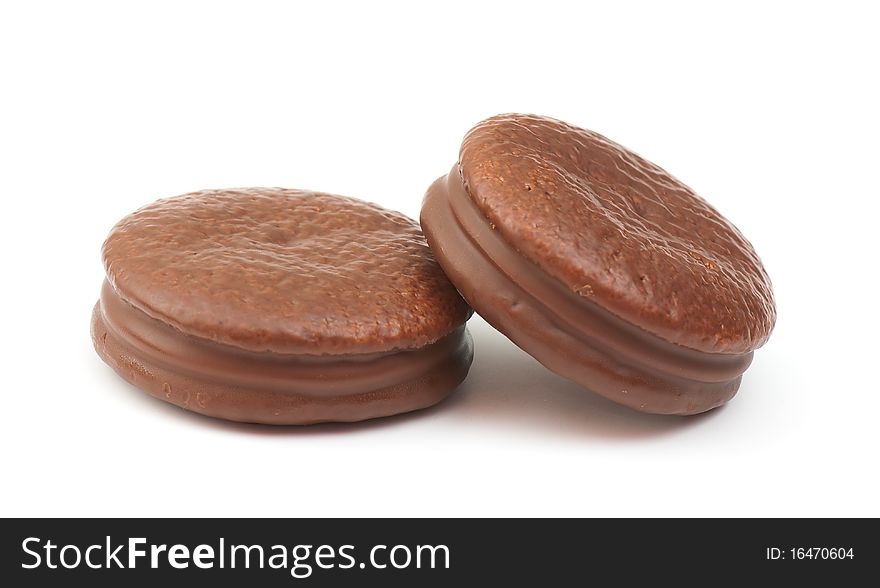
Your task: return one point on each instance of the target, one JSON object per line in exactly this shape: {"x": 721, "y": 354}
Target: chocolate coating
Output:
{"x": 618, "y": 230}
{"x": 290, "y": 271}
{"x": 518, "y": 238}
{"x": 180, "y": 331}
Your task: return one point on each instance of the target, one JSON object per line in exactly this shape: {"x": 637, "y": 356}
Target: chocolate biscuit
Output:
{"x": 600, "y": 264}
{"x": 279, "y": 306}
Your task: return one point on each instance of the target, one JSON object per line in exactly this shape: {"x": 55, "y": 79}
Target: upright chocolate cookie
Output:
{"x": 279, "y": 306}
{"x": 600, "y": 264}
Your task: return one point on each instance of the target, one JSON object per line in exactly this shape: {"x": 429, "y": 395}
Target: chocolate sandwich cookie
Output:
{"x": 279, "y": 306}
{"x": 600, "y": 264}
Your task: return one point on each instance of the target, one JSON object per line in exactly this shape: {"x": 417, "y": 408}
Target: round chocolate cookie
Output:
{"x": 279, "y": 306}
{"x": 600, "y": 264}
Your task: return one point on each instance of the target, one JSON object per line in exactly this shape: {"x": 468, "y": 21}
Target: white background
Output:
{"x": 769, "y": 110}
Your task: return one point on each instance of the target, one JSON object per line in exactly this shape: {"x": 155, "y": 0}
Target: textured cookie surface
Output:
{"x": 288, "y": 271}
{"x": 620, "y": 231}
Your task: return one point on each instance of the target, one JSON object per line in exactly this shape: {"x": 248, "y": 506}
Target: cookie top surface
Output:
{"x": 620, "y": 231}
{"x": 287, "y": 271}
